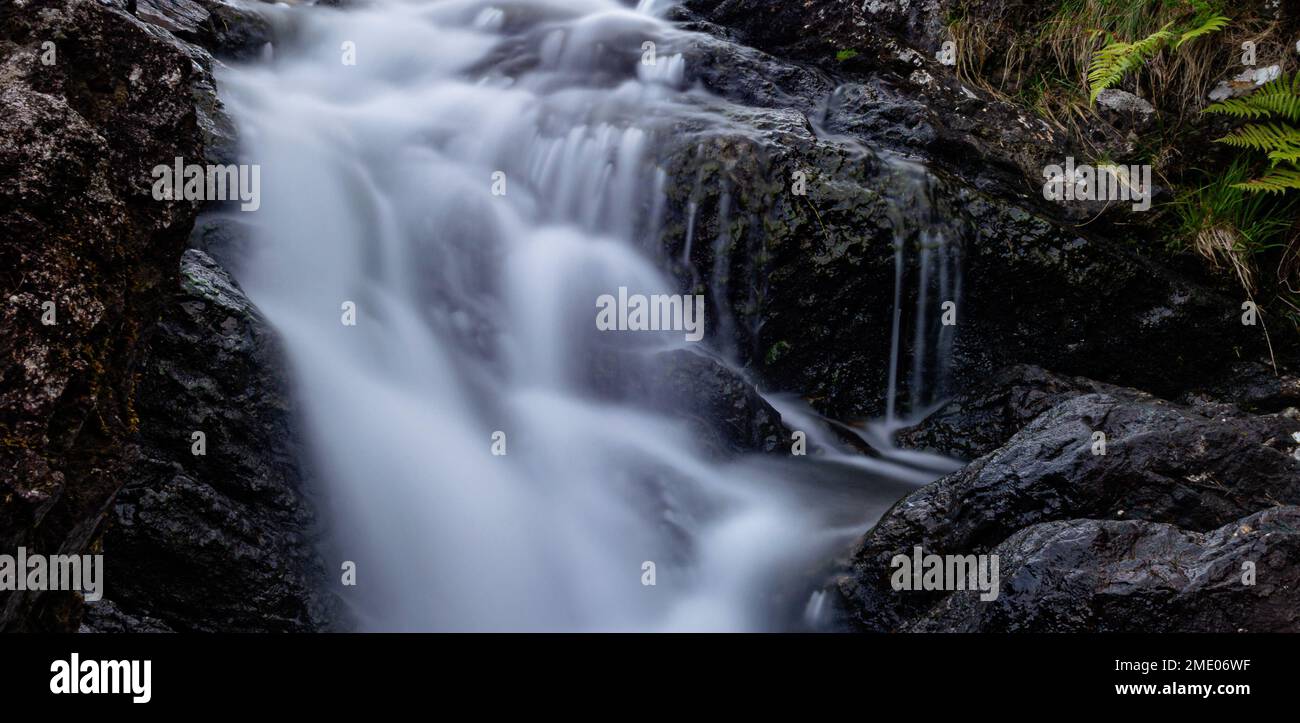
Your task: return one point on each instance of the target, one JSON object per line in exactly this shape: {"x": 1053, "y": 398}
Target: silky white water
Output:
{"x": 470, "y": 186}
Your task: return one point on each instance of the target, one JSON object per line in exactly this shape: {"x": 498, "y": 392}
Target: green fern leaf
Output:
{"x": 1113, "y": 61}
{"x": 1212, "y": 25}
{"x": 1278, "y": 97}
{"x": 1289, "y": 154}
{"x": 1267, "y": 137}
{"x": 1277, "y": 181}
{"x": 1237, "y": 107}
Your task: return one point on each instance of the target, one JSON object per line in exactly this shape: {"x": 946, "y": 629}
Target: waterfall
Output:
{"x": 927, "y": 262}
{"x": 469, "y": 188}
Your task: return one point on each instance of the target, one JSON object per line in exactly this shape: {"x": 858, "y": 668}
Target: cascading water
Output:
{"x": 470, "y": 186}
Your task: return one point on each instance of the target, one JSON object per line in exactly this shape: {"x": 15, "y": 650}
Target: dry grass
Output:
{"x": 1038, "y": 57}
{"x": 1045, "y": 65}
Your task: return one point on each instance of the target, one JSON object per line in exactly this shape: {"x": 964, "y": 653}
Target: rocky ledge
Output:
{"x": 1104, "y": 507}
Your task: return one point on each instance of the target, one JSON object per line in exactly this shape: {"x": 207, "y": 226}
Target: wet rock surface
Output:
{"x": 983, "y": 419}
{"x": 893, "y": 90}
{"x": 809, "y": 281}
{"x": 722, "y": 408}
{"x": 100, "y": 392}
{"x": 225, "y": 540}
{"x": 83, "y": 239}
{"x": 730, "y": 408}
{"x": 1194, "y": 469}
{"x": 804, "y": 283}
{"x": 221, "y": 27}
{"x": 1138, "y": 577}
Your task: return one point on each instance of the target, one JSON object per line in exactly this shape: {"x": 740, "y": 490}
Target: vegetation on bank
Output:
{"x": 1231, "y": 165}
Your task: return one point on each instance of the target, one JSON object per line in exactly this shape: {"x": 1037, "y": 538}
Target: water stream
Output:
{"x": 382, "y": 189}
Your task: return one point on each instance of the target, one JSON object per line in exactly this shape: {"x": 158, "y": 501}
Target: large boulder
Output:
{"x": 1138, "y": 577}
{"x": 987, "y": 414}
{"x": 802, "y": 286}
{"x": 82, "y": 239}
{"x": 983, "y": 418}
{"x": 1161, "y": 463}
{"x": 224, "y": 540}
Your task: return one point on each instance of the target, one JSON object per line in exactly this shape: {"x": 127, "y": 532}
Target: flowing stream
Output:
{"x": 382, "y": 191}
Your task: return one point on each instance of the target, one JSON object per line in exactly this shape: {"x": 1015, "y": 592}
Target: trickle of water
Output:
{"x": 472, "y": 184}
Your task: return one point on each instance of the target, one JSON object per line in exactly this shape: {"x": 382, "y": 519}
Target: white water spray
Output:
{"x": 475, "y": 315}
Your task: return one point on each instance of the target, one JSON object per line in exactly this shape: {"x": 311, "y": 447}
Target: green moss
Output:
{"x": 777, "y": 350}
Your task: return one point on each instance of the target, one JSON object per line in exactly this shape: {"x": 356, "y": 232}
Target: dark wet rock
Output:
{"x": 785, "y": 283}
{"x": 196, "y": 543}
{"x": 818, "y": 30}
{"x": 730, "y": 412}
{"x": 222, "y": 541}
{"x": 226, "y": 29}
{"x": 984, "y": 418}
{"x": 183, "y": 24}
{"x": 1162, "y": 463}
{"x": 226, "y": 237}
{"x": 105, "y": 617}
{"x": 749, "y": 76}
{"x": 1090, "y": 306}
{"x": 79, "y": 228}
{"x": 1253, "y": 386}
{"x": 723, "y": 409}
{"x": 1138, "y": 577}
{"x": 892, "y": 90}
{"x": 801, "y": 287}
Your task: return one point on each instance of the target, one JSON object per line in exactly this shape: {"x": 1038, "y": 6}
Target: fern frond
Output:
{"x": 1276, "y": 181}
{"x": 1289, "y": 154}
{"x": 1237, "y": 107}
{"x": 1113, "y": 61}
{"x": 1265, "y": 137}
{"x": 1212, "y": 25}
{"x": 1278, "y": 97}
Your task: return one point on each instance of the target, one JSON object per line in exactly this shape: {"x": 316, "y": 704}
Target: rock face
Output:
{"x": 1138, "y": 577}
{"x": 87, "y": 248}
{"x": 221, "y": 27}
{"x": 221, "y": 541}
{"x": 723, "y": 409}
{"x": 1194, "y": 469}
{"x": 984, "y": 418}
{"x": 881, "y": 59}
{"x": 102, "y": 390}
{"x": 807, "y": 281}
